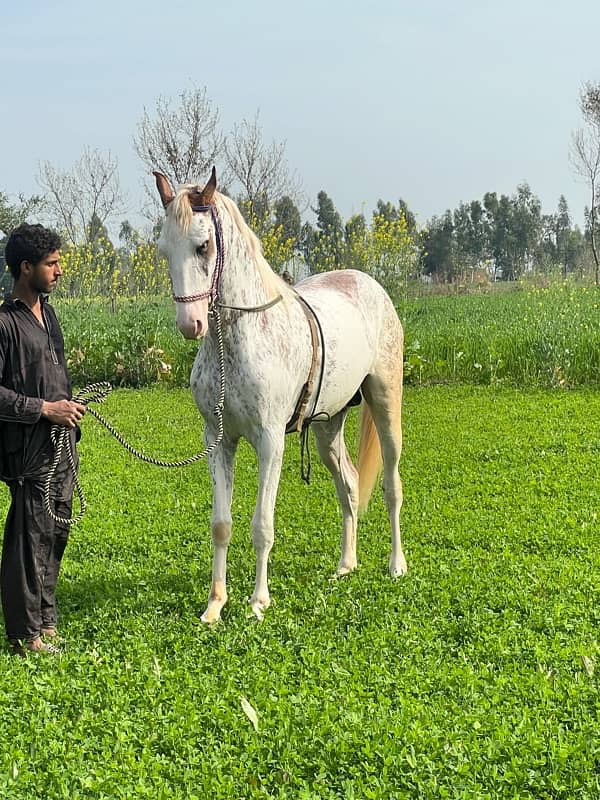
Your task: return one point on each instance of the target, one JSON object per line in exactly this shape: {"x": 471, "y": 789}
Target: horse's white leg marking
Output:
{"x": 270, "y": 455}
{"x": 385, "y": 401}
{"x": 329, "y": 437}
{"x": 221, "y": 468}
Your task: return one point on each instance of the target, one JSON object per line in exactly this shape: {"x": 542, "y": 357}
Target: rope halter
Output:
{"x": 213, "y": 292}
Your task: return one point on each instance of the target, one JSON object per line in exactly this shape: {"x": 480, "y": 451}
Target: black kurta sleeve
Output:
{"x": 15, "y": 407}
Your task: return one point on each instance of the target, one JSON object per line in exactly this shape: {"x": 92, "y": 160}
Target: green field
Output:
{"x": 525, "y": 338}
{"x": 476, "y": 676}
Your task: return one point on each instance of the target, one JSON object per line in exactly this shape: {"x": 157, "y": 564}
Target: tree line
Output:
{"x": 492, "y": 238}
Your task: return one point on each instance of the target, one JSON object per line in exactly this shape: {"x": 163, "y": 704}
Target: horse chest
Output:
{"x": 262, "y": 379}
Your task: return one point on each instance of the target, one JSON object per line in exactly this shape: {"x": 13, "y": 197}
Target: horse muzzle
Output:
{"x": 192, "y": 319}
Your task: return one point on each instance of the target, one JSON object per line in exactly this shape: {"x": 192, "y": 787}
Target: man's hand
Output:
{"x": 63, "y": 412}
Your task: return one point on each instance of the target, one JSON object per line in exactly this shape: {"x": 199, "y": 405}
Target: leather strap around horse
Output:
{"x": 298, "y": 419}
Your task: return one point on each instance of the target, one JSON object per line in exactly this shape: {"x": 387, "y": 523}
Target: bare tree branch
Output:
{"x": 585, "y": 159}
{"x": 182, "y": 142}
{"x": 90, "y": 193}
{"x": 260, "y": 170}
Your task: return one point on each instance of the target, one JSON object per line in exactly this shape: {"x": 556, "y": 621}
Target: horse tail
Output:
{"x": 369, "y": 458}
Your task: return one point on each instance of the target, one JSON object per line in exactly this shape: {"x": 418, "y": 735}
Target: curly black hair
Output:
{"x": 29, "y": 243}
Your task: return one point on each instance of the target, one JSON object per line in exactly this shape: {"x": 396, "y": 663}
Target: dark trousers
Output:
{"x": 32, "y": 550}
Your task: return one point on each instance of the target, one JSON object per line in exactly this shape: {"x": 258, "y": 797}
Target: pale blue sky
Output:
{"x": 430, "y": 101}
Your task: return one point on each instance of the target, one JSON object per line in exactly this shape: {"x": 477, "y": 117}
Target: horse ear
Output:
{"x": 204, "y": 197}
{"x": 164, "y": 188}
{"x": 209, "y": 189}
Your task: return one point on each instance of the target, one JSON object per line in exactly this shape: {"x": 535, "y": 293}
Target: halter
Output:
{"x": 213, "y": 292}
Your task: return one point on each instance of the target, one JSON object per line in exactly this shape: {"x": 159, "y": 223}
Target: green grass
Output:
{"x": 473, "y": 677}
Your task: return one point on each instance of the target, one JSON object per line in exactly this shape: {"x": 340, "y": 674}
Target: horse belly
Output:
{"x": 348, "y": 360}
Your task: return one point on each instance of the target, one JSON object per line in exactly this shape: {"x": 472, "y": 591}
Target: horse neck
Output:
{"x": 241, "y": 282}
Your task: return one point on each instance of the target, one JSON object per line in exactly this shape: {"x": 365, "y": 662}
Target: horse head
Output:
{"x": 190, "y": 241}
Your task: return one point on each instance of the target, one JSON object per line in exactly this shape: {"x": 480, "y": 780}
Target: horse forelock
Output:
{"x": 180, "y": 210}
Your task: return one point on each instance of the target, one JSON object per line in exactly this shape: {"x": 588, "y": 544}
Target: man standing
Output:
{"x": 35, "y": 393}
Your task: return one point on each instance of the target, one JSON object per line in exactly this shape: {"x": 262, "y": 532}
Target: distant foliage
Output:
{"x": 385, "y": 250}
{"x": 129, "y": 342}
{"x": 99, "y": 269}
{"x": 535, "y": 337}
{"x": 278, "y": 248}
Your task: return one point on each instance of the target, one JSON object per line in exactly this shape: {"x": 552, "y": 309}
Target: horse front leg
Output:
{"x": 269, "y": 450}
{"x": 221, "y": 470}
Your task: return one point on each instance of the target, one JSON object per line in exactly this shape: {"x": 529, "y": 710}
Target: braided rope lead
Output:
{"x": 97, "y": 393}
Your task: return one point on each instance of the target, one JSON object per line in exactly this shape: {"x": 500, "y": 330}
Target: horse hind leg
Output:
{"x": 382, "y": 391}
{"x": 329, "y": 437}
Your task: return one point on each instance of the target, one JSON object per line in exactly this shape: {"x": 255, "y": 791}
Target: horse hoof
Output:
{"x": 258, "y": 608}
{"x": 343, "y": 569}
{"x": 398, "y": 570}
{"x": 211, "y": 616}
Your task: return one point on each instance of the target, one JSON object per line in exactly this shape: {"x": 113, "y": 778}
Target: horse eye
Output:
{"x": 202, "y": 249}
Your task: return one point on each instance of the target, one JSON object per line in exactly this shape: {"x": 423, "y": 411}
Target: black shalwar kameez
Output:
{"x": 32, "y": 369}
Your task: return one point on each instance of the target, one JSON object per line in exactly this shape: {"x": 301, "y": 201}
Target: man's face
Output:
{"x": 43, "y": 276}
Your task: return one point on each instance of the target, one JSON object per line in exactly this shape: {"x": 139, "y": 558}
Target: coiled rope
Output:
{"x": 97, "y": 393}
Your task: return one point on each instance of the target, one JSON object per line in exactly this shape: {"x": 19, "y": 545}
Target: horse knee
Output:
{"x": 263, "y": 536}
{"x": 221, "y": 533}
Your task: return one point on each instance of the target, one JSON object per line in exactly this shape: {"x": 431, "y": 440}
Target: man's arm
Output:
{"x": 15, "y": 407}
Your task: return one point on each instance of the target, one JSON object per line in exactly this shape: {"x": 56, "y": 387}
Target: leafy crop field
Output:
{"x": 476, "y": 676}
{"x": 532, "y": 337}
{"x": 536, "y": 337}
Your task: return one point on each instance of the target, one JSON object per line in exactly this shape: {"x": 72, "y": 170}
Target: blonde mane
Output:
{"x": 182, "y": 216}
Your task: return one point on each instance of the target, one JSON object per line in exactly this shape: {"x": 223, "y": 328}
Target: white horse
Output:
{"x": 284, "y": 356}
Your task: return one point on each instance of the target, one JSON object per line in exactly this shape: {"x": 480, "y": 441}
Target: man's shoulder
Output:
{"x": 7, "y": 306}
{"x": 7, "y": 311}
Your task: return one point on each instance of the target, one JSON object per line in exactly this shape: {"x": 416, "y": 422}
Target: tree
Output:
{"x": 307, "y": 243}
{"x": 356, "y": 235}
{"x": 260, "y": 170}
{"x": 386, "y": 250}
{"x": 411, "y": 221}
{"x": 181, "y": 141}
{"x": 557, "y": 240}
{"x": 526, "y": 224}
{"x": 81, "y": 202}
{"x": 437, "y": 248}
{"x": 12, "y": 215}
{"x": 388, "y": 211}
{"x": 328, "y": 246}
{"x": 288, "y": 216}
{"x": 129, "y": 236}
{"x": 585, "y": 158}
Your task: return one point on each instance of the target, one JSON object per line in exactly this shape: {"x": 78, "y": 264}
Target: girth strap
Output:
{"x": 298, "y": 419}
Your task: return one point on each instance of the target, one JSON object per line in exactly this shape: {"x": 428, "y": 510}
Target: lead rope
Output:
{"x": 97, "y": 393}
